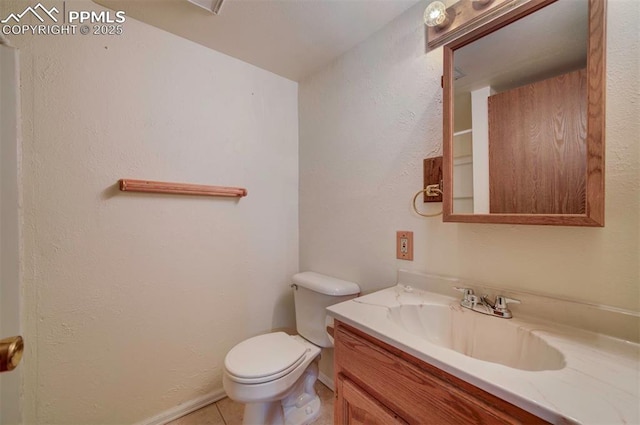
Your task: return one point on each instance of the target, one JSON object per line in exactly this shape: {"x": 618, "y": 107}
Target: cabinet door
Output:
{"x": 354, "y": 406}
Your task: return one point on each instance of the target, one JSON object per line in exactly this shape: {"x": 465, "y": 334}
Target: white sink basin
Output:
{"x": 477, "y": 335}
{"x": 560, "y": 373}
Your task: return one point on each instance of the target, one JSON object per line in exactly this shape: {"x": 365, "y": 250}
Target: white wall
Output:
{"x": 368, "y": 120}
{"x": 133, "y": 300}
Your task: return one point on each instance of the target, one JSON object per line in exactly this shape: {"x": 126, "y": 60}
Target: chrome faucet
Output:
{"x": 483, "y": 305}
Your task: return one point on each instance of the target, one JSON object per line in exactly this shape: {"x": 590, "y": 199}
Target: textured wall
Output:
{"x": 368, "y": 120}
{"x": 132, "y": 300}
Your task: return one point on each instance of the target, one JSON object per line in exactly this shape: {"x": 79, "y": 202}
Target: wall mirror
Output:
{"x": 524, "y": 117}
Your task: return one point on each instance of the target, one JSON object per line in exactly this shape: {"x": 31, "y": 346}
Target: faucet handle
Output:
{"x": 469, "y": 300}
{"x": 468, "y": 292}
{"x": 502, "y": 301}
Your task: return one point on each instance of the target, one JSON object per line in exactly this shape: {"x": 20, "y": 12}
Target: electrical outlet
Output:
{"x": 404, "y": 245}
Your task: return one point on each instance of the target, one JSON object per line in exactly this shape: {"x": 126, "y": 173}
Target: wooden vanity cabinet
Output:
{"x": 359, "y": 407}
{"x": 379, "y": 384}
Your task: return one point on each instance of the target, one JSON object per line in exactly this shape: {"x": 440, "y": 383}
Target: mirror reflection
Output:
{"x": 520, "y": 116}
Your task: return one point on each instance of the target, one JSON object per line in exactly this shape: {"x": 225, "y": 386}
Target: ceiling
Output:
{"x": 291, "y": 38}
{"x": 549, "y": 42}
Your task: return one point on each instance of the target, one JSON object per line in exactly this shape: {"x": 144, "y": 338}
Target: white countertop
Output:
{"x": 600, "y": 383}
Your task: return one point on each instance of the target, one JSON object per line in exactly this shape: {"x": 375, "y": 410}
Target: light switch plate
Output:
{"x": 404, "y": 245}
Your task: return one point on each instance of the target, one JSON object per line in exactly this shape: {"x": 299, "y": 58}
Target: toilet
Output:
{"x": 274, "y": 374}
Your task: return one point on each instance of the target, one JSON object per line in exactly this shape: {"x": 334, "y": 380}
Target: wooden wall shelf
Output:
{"x": 130, "y": 185}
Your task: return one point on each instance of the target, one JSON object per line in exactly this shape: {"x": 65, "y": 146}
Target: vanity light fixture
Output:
{"x": 445, "y": 24}
{"x": 435, "y": 15}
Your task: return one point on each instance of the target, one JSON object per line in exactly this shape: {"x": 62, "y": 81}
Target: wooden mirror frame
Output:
{"x": 594, "y": 209}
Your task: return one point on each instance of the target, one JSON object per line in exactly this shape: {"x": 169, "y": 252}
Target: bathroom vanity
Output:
{"x": 379, "y": 384}
{"x": 412, "y": 354}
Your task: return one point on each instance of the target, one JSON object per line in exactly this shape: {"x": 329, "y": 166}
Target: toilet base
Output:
{"x": 268, "y": 413}
{"x": 301, "y": 407}
{"x": 304, "y": 415}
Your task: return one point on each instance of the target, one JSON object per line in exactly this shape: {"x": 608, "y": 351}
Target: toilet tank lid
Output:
{"x": 325, "y": 284}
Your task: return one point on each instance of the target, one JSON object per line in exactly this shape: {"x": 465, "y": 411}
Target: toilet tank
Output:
{"x": 313, "y": 293}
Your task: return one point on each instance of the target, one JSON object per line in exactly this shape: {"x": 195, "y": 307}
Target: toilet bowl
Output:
{"x": 274, "y": 374}
{"x": 271, "y": 381}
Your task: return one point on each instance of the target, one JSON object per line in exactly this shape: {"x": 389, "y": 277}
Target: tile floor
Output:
{"x": 229, "y": 412}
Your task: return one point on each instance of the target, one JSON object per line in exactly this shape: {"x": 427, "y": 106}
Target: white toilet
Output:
{"x": 274, "y": 374}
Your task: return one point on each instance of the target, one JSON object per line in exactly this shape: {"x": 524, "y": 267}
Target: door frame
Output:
{"x": 10, "y": 297}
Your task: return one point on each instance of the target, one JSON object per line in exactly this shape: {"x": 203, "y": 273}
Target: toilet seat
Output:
{"x": 264, "y": 358}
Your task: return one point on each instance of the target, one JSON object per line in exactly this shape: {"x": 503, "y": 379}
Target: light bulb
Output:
{"x": 435, "y": 15}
